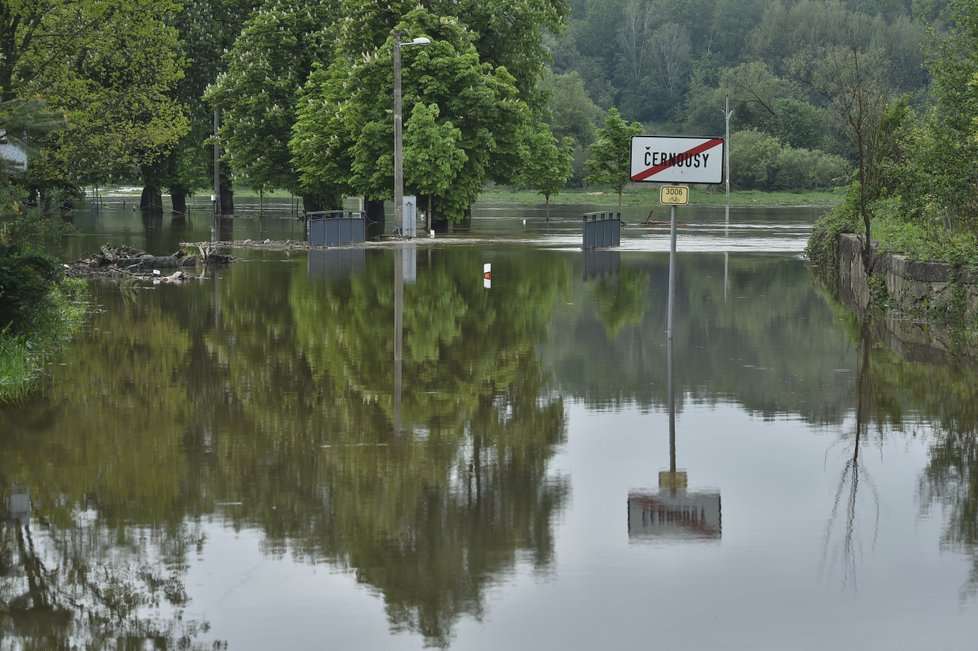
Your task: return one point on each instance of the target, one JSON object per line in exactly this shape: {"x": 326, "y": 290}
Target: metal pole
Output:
{"x": 398, "y": 139}
{"x": 217, "y": 162}
{"x": 726, "y": 145}
{"x": 672, "y": 269}
{"x": 672, "y": 412}
{"x": 726, "y": 254}
{"x": 398, "y": 335}
{"x": 669, "y": 341}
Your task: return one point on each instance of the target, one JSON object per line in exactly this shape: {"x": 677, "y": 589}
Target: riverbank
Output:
{"x": 632, "y": 196}
{"x": 23, "y": 356}
{"x": 928, "y": 310}
{"x": 644, "y": 195}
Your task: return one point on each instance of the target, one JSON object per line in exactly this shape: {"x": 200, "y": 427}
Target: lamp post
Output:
{"x": 398, "y": 130}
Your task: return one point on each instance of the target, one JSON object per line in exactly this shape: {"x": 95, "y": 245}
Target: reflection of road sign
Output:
{"x": 487, "y": 275}
{"x": 669, "y": 479}
{"x": 19, "y": 504}
{"x": 662, "y": 159}
{"x": 674, "y": 515}
{"x": 675, "y": 195}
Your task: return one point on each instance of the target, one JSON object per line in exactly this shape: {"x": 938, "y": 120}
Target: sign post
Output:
{"x": 668, "y": 159}
{"x": 675, "y": 159}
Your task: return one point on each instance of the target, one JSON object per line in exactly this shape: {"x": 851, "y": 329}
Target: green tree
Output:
{"x": 572, "y": 112}
{"x": 265, "y": 68}
{"x": 548, "y": 163}
{"x": 348, "y": 145}
{"x": 754, "y": 160}
{"x": 207, "y": 29}
{"x": 108, "y": 66}
{"x": 433, "y": 158}
{"x": 852, "y": 81}
{"x": 610, "y": 153}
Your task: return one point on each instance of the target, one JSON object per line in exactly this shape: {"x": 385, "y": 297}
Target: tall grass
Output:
{"x": 23, "y": 356}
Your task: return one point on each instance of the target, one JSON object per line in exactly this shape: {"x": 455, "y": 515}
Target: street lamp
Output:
{"x": 398, "y": 130}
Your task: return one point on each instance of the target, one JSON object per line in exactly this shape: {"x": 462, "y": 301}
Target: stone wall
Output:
{"x": 930, "y": 303}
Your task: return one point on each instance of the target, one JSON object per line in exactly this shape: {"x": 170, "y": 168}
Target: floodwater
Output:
{"x": 260, "y": 459}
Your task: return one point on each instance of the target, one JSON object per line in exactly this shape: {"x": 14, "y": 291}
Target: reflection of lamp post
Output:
{"x": 398, "y": 135}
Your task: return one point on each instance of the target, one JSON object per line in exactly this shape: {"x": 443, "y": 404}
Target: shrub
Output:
{"x": 759, "y": 161}
{"x": 26, "y": 280}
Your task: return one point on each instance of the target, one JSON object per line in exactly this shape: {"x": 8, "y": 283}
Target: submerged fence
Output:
{"x": 602, "y": 229}
{"x": 335, "y": 227}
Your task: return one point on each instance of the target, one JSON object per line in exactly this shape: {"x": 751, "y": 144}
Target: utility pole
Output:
{"x": 726, "y": 145}
{"x": 398, "y": 131}
{"x": 217, "y": 163}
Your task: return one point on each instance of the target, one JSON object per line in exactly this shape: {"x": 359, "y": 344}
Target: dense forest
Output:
{"x": 103, "y": 92}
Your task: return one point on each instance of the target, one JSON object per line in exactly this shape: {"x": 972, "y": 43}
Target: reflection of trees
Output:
{"x": 771, "y": 345}
{"x": 845, "y": 506}
{"x": 621, "y": 300}
{"x": 430, "y": 517}
{"x": 951, "y": 481}
{"x": 943, "y": 399}
{"x": 102, "y": 558}
{"x": 60, "y": 586}
{"x": 273, "y": 393}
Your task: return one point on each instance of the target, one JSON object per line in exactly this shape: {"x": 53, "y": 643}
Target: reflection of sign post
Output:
{"x": 674, "y": 515}
{"x": 19, "y": 505}
{"x": 673, "y": 479}
{"x": 673, "y": 512}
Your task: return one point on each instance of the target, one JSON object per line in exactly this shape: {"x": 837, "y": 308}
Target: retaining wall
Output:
{"x": 931, "y": 303}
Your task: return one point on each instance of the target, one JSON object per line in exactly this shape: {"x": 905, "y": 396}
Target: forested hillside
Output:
{"x": 503, "y": 91}
{"x": 670, "y": 64}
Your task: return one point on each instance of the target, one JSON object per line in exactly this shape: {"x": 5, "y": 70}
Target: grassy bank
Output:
{"x": 643, "y": 196}
{"x": 23, "y": 356}
{"x": 632, "y": 196}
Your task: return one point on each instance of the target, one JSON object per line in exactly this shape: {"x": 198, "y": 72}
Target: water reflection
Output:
{"x": 286, "y": 407}
{"x": 916, "y": 391}
{"x": 259, "y": 410}
{"x": 841, "y": 544}
{"x": 674, "y": 512}
{"x": 67, "y": 579}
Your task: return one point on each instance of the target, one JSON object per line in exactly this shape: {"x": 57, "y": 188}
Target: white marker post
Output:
{"x": 487, "y": 275}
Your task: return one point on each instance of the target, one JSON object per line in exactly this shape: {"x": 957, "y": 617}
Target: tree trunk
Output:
{"x": 311, "y": 204}
{"x": 464, "y": 224}
{"x": 375, "y": 217}
{"x": 227, "y": 199}
{"x": 151, "y": 199}
{"x": 178, "y": 199}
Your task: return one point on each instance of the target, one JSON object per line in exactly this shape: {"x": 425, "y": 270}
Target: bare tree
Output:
{"x": 635, "y": 38}
{"x": 853, "y": 80}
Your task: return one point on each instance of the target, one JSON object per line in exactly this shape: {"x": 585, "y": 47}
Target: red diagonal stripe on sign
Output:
{"x": 698, "y": 149}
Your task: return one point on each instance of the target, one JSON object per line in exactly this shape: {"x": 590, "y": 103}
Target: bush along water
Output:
{"x": 923, "y": 274}
{"x": 39, "y": 310}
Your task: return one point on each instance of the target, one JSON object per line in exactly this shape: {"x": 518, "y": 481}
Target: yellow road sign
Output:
{"x": 674, "y": 195}
{"x": 676, "y": 479}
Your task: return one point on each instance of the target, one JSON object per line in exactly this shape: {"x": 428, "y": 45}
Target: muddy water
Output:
{"x": 241, "y": 459}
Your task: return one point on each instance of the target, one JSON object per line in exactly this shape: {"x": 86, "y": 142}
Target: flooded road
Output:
{"x": 241, "y": 459}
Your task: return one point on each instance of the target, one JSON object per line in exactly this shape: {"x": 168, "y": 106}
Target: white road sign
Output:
{"x": 668, "y": 159}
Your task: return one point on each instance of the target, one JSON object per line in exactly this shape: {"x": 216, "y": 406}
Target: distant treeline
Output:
{"x": 670, "y": 64}
{"x": 512, "y": 92}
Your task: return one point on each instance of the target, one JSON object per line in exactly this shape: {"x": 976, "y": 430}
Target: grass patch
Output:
{"x": 23, "y": 356}
{"x": 636, "y": 195}
{"x": 644, "y": 195}
{"x": 924, "y": 244}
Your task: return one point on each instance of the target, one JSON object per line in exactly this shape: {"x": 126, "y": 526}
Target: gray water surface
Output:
{"x": 240, "y": 459}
